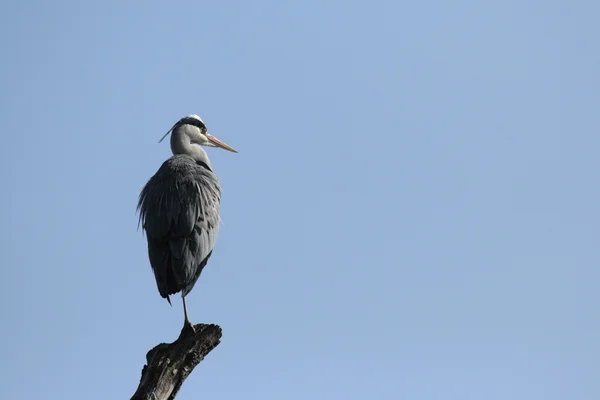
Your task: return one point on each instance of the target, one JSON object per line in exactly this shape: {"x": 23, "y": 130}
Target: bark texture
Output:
{"x": 168, "y": 365}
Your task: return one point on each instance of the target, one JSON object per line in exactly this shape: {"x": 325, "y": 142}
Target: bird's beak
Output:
{"x": 217, "y": 143}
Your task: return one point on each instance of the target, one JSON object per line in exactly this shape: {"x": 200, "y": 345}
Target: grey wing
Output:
{"x": 179, "y": 210}
{"x": 193, "y": 251}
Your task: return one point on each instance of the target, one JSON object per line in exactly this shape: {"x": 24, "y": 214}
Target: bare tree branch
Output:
{"x": 168, "y": 365}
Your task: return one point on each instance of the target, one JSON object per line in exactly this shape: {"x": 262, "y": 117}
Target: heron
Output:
{"x": 179, "y": 210}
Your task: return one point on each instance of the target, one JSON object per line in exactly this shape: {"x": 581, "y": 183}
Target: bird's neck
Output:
{"x": 181, "y": 144}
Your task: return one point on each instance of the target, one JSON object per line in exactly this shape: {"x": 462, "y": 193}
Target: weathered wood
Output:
{"x": 168, "y": 365}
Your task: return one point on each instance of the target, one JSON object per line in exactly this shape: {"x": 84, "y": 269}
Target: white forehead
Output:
{"x": 195, "y": 117}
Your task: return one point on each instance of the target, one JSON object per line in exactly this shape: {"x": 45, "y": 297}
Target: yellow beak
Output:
{"x": 220, "y": 144}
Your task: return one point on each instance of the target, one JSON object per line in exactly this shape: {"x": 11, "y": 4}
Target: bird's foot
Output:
{"x": 187, "y": 326}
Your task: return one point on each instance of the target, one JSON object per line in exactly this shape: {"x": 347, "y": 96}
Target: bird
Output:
{"x": 179, "y": 210}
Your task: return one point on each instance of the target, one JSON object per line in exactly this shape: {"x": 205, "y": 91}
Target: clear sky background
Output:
{"x": 413, "y": 213}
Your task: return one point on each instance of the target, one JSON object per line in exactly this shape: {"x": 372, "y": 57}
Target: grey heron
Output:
{"x": 179, "y": 210}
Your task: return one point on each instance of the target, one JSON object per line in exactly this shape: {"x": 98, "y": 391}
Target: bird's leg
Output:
{"x": 186, "y": 323}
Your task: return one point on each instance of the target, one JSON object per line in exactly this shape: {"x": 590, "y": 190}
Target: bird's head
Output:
{"x": 193, "y": 127}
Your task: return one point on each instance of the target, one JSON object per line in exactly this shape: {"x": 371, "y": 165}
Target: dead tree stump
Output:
{"x": 168, "y": 365}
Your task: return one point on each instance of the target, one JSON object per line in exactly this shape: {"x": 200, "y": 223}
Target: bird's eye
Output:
{"x": 196, "y": 123}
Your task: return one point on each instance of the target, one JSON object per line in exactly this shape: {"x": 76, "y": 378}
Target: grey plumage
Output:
{"x": 179, "y": 209}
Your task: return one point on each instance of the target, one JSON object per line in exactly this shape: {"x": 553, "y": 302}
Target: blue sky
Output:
{"x": 413, "y": 212}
